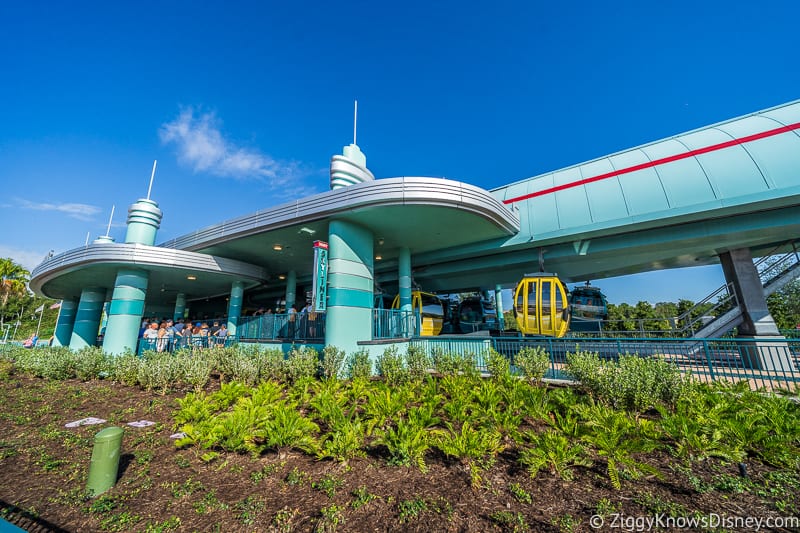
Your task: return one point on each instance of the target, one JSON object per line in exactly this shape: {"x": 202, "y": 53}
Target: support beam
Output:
{"x": 65, "y": 323}
{"x": 291, "y": 289}
{"x": 235, "y": 306}
{"x": 739, "y": 270}
{"x": 350, "y": 285}
{"x": 498, "y": 307}
{"x": 87, "y": 318}
{"x": 126, "y": 311}
{"x": 180, "y": 307}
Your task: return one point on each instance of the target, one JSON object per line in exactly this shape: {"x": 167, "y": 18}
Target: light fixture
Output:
{"x": 282, "y": 276}
{"x": 307, "y": 230}
{"x": 190, "y": 277}
{"x": 378, "y": 257}
{"x": 380, "y": 241}
{"x": 277, "y": 247}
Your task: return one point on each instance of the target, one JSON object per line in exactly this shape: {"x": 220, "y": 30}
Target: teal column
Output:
{"x": 65, "y": 323}
{"x": 126, "y": 310}
{"x": 127, "y": 302}
{"x": 404, "y": 289}
{"x": 87, "y": 318}
{"x": 498, "y": 307}
{"x": 291, "y": 289}
{"x": 404, "y": 279}
{"x": 180, "y": 306}
{"x": 235, "y": 306}
{"x": 144, "y": 219}
{"x": 350, "y": 285}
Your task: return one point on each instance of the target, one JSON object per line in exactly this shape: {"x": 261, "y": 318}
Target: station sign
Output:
{"x": 319, "y": 294}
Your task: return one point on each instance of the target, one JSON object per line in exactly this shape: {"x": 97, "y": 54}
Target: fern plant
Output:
{"x": 344, "y": 441}
{"x": 406, "y": 442}
{"x": 285, "y": 428}
{"x": 477, "y": 448}
{"x": 616, "y": 437}
{"x": 554, "y": 451}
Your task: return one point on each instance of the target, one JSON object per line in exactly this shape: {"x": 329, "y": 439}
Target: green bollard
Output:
{"x": 105, "y": 461}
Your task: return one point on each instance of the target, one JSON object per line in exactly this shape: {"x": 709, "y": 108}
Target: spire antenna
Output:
{"x": 108, "y": 229}
{"x": 153, "y": 175}
{"x": 355, "y": 120}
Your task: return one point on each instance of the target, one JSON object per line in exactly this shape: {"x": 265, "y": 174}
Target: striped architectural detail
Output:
{"x": 346, "y": 172}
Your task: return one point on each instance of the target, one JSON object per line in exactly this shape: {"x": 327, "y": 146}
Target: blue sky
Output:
{"x": 243, "y": 103}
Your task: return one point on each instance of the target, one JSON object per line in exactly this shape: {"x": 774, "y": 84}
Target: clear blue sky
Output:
{"x": 243, "y": 103}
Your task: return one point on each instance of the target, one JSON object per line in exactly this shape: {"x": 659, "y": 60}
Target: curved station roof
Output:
{"x": 676, "y": 202}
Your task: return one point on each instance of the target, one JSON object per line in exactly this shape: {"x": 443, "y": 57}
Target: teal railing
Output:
{"x": 765, "y": 363}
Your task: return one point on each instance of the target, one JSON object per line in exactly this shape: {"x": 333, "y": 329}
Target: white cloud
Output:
{"x": 79, "y": 211}
{"x": 201, "y": 146}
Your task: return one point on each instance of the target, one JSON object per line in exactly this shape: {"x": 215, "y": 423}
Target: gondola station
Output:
{"x": 368, "y": 262}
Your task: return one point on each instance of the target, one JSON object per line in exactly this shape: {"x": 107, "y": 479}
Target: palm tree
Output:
{"x": 13, "y": 282}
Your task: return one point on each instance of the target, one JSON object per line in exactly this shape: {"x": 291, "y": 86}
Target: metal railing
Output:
{"x": 394, "y": 323}
{"x": 185, "y": 342}
{"x": 764, "y": 364}
{"x": 295, "y": 326}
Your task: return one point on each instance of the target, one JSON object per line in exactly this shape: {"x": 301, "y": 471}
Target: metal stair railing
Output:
{"x": 774, "y": 272}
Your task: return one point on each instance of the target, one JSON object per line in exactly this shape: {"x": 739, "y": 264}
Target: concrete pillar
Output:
{"x": 127, "y": 301}
{"x": 126, "y": 311}
{"x": 87, "y": 318}
{"x": 235, "y": 306}
{"x": 739, "y": 270}
{"x": 498, "y": 307}
{"x": 65, "y": 323}
{"x": 291, "y": 289}
{"x": 350, "y": 285}
{"x": 404, "y": 289}
{"x": 761, "y": 345}
{"x": 180, "y": 306}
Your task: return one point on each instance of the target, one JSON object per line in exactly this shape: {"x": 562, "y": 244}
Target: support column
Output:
{"x": 180, "y": 306}
{"x": 350, "y": 285}
{"x": 126, "y": 311}
{"x": 235, "y": 306}
{"x": 498, "y": 307}
{"x": 404, "y": 289}
{"x": 65, "y": 323}
{"x": 87, "y": 318}
{"x": 127, "y": 302}
{"x": 739, "y": 270}
{"x": 291, "y": 289}
{"x": 758, "y": 331}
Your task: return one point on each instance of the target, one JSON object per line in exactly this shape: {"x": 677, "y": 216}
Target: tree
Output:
{"x": 13, "y": 282}
{"x": 784, "y": 305}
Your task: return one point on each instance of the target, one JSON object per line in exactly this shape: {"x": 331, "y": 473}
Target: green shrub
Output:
{"x": 390, "y": 366}
{"x": 633, "y": 383}
{"x": 332, "y": 361}
{"x": 302, "y": 363}
{"x": 89, "y": 363}
{"x": 448, "y": 363}
{"x": 125, "y": 369}
{"x": 533, "y": 362}
{"x": 359, "y": 365}
{"x": 271, "y": 364}
{"x": 158, "y": 371}
{"x": 194, "y": 370}
{"x": 417, "y": 362}
{"x": 498, "y": 365}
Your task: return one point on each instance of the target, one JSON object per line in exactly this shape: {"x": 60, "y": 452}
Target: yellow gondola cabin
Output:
{"x": 430, "y": 310}
{"x": 540, "y": 305}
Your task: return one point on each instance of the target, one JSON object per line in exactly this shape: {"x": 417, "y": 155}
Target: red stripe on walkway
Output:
{"x": 657, "y": 162}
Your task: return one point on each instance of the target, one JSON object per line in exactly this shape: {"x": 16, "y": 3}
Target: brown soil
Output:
{"x": 43, "y": 469}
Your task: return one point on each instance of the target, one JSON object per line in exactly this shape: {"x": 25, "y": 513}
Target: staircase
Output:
{"x": 775, "y": 272}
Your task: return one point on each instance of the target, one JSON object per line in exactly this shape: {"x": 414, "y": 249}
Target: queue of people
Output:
{"x": 168, "y": 335}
